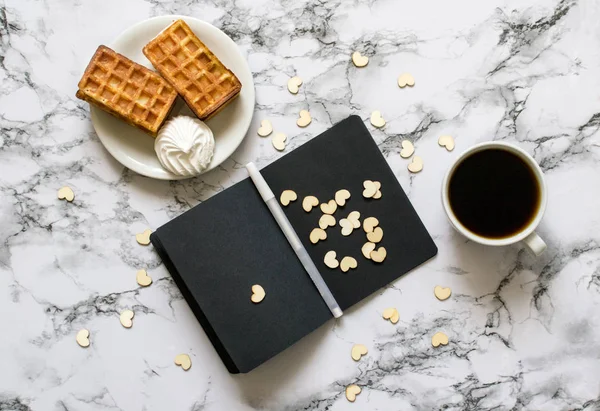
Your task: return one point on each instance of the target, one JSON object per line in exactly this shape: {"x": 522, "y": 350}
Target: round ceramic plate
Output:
{"x": 135, "y": 149}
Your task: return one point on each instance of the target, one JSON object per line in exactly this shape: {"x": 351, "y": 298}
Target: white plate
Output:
{"x": 135, "y": 149}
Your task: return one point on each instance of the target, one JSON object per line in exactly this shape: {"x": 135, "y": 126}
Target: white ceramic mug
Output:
{"x": 527, "y": 235}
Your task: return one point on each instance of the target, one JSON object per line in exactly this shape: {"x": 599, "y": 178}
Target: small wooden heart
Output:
{"x": 375, "y": 236}
{"x": 143, "y": 238}
{"x": 369, "y": 224}
{"x": 143, "y": 278}
{"x": 366, "y": 250}
{"x": 329, "y": 207}
{"x": 377, "y": 119}
{"x": 354, "y": 218}
{"x": 416, "y": 165}
{"x": 347, "y": 227}
{"x": 341, "y": 196}
{"x": 330, "y": 260}
{"x": 348, "y": 263}
{"x": 258, "y": 294}
{"x": 83, "y": 338}
{"x": 184, "y": 361}
{"x": 391, "y": 314}
{"x": 279, "y": 141}
{"x": 265, "y": 128}
{"x": 352, "y": 391}
{"x": 378, "y": 255}
{"x": 66, "y": 193}
{"x": 294, "y": 84}
{"x": 359, "y": 60}
{"x": 358, "y": 350}
{"x": 309, "y": 202}
{"x": 326, "y": 220}
{"x": 406, "y": 79}
{"x": 370, "y": 188}
{"x": 304, "y": 119}
{"x": 442, "y": 293}
{"x": 438, "y": 339}
{"x": 408, "y": 149}
{"x": 446, "y": 141}
{"x": 126, "y": 318}
{"x": 317, "y": 234}
{"x": 287, "y": 196}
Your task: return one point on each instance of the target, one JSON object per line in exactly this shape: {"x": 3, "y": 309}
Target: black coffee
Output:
{"x": 494, "y": 193}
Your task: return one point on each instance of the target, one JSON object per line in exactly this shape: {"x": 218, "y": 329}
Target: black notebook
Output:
{"x": 220, "y": 248}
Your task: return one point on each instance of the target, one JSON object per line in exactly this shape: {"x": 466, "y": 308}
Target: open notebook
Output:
{"x": 220, "y": 248}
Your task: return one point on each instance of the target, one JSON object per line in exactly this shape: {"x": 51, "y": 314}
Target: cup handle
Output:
{"x": 535, "y": 244}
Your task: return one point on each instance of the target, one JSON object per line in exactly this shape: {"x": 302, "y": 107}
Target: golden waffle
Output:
{"x": 195, "y": 72}
{"x": 127, "y": 90}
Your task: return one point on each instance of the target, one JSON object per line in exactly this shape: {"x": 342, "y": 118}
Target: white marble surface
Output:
{"x": 524, "y": 333}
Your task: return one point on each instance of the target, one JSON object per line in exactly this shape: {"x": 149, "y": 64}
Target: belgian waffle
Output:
{"x": 127, "y": 90}
{"x": 195, "y": 72}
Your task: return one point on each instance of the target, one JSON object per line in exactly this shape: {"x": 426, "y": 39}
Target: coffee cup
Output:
{"x": 495, "y": 194}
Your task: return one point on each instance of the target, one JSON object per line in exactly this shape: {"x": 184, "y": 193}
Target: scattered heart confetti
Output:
{"x": 446, "y": 141}
{"x": 352, "y": 391}
{"x": 309, "y": 202}
{"x": 438, "y": 339}
{"x": 377, "y": 120}
{"x": 341, "y": 196}
{"x": 279, "y": 141}
{"x": 294, "y": 84}
{"x": 347, "y": 263}
{"x": 143, "y": 278}
{"x": 378, "y": 255}
{"x": 370, "y": 188}
{"x": 317, "y": 234}
{"x": 442, "y": 293}
{"x": 408, "y": 149}
{"x": 416, "y": 165}
{"x": 258, "y": 294}
{"x": 375, "y": 236}
{"x": 329, "y": 207}
{"x": 265, "y": 128}
{"x": 143, "y": 238}
{"x": 83, "y": 338}
{"x": 369, "y": 224}
{"x": 287, "y": 196}
{"x": 184, "y": 361}
{"x": 358, "y": 350}
{"x": 66, "y": 193}
{"x": 330, "y": 260}
{"x": 326, "y": 220}
{"x": 304, "y": 119}
{"x": 126, "y": 318}
{"x": 359, "y": 60}
{"x": 391, "y": 314}
{"x": 347, "y": 227}
{"x": 406, "y": 79}
{"x": 366, "y": 249}
{"x": 354, "y": 218}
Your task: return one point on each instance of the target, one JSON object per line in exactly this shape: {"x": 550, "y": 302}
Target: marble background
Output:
{"x": 524, "y": 333}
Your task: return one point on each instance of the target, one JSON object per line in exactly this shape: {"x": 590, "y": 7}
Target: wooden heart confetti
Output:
{"x": 377, "y": 120}
{"x": 377, "y": 194}
{"x": 359, "y": 60}
{"x": 347, "y": 227}
{"x": 265, "y": 128}
{"x": 347, "y": 263}
{"x": 416, "y": 165}
{"x": 408, "y": 149}
{"x": 442, "y": 293}
{"x": 375, "y": 236}
{"x": 279, "y": 141}
{"x": 352, "y": 391}
{"x": 405, "y": 79}
{"x": 391, "y": 314}
{"x": 378, "y": 255}
{"x": 354, "y": 218}
{"x": 329, "y": 207}
{"x": 366, "y": 249}
{"x": 358, "y": 350}
{"x": 369, "y": 224}
{"x": 341, "y": 196}
{"x": 258, "y": 294}
{"x": 184, "y": 361}
{"x": 66, "y": 193}
{"x": 83, "y": 338}
{"x": 304, "y": 119}
{"x": 371, "y": 188}
{"x": 438, "y": 339}
{"x": 326, "y": 220}
{"x": 446, "y": 141}
{"x": 287, "y": 196}
{"x": 330, "y": 260}
{"x": 317, "y": 234}
{"x": 294, "y": 84}
{"x": 143, "y": 238}
{"x": 126, "y": 318}
{"x": 309, "y": 202}
{"x": 143, "y": 278}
